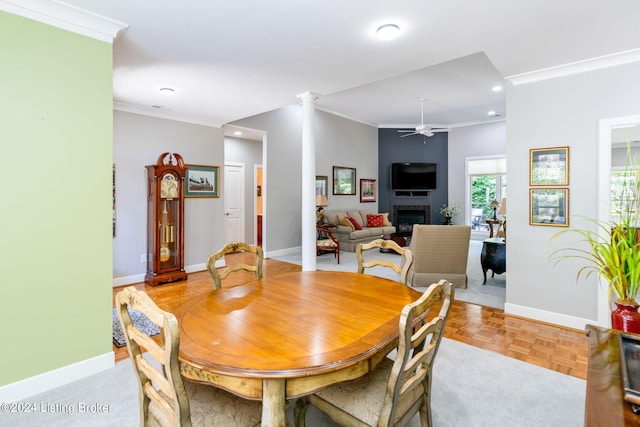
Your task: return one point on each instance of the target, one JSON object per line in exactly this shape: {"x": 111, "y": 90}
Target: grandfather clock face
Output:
{"x": 169, "y": 187}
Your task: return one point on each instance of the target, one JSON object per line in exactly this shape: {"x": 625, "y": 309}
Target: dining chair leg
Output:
{"x": 300, "y": 412}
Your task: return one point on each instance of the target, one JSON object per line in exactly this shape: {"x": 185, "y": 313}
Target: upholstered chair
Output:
{"x": 439, "y": 252}
{"x": 326, "y": 242}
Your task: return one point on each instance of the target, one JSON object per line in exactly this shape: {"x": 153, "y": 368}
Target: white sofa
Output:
{"x": 348, "y": 236}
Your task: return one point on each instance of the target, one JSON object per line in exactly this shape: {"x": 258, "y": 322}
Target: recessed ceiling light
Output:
{"x": 496, "y": 88}
{"x": 167, "y": 91}
{"x": 237, "y": 133}
{"x": 387, "y": 31}
{"x": 492, "y": 113}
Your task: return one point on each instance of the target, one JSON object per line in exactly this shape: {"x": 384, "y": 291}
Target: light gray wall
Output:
{"x": 249, "y": 152}
{"x": 339, "y": 142}
{"x": 138, "y": 141}
{"x": 483, "y": 140}
{"x": 558, "y": 112}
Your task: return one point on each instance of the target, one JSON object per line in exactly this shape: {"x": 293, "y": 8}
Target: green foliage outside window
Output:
{"x": 483, "y": 192}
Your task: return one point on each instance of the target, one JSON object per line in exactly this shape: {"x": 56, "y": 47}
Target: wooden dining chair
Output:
{"x": 233, "y": 248}
{"x": 381, "y": 244}
{"x": 395, "y": 391}
{"x": 165, "y": 400}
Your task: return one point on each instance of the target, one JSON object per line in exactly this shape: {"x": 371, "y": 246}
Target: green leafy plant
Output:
{"x": 611, "y": 249}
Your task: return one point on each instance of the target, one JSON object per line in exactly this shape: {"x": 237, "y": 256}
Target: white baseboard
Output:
{"x": 56, "y": 378}
{"x": 139, "y": 278}
{"x": 548, "y": 316}
{"x": 283, "y": 252}
{"x": 198, "y": 267}
{"x": 127, "y": 280}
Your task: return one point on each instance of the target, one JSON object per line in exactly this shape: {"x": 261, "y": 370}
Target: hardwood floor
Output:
{"x": 552, "y": 347}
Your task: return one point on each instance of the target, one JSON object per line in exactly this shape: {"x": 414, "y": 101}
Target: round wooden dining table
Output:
{"x": 289, "y": 335}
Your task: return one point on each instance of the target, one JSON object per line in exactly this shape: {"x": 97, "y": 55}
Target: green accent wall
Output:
{"x": 56, "y": 114}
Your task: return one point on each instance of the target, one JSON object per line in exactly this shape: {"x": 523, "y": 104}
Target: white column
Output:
{"x": 308, "y": 182}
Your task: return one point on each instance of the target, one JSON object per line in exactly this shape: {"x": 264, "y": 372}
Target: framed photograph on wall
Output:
{"x": 549, "y": 166}
{"x": 344, "y": 181}
{"x": 322, "y": 182}
{"x": 367, "y": 190}
{"x": 549, "y": 206}
{"x": 202, "y": 181}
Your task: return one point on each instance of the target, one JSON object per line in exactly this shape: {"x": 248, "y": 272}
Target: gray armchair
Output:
{"x": 439, "y": 252}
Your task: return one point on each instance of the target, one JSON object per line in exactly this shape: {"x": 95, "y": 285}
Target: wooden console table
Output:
{"x": 491, "y": 223}
{"x": 605, "y": 404}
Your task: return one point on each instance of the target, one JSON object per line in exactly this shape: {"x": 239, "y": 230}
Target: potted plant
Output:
{"x": 448, "y": 212}
{"x": 611, "y": 250}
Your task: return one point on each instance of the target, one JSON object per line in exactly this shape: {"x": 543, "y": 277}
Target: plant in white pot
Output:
{"x": 611, "y": 250}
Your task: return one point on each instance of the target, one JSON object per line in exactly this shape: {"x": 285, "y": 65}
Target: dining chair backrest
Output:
{"x": 163, "y": 399}
{"x": 409, "y": 386}
{"x": 396, "y": 390}
{"x": 233, "y": 248}
{"x": 381, "y": 244}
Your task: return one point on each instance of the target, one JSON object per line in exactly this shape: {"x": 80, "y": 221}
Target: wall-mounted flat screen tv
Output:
{"x": 413, "y": 176}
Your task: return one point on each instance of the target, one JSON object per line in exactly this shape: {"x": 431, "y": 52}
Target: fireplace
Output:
{"x": 404, "y": 217}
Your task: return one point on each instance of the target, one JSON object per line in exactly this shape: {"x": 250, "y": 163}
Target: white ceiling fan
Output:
{"x": 426, "y": 130}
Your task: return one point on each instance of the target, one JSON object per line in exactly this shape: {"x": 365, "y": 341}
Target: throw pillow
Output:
{"x": 355, "y": 223}
{"x": 375, "y": 220}
{"x": 385, "y": 219}
{"x": 344, "y": 221}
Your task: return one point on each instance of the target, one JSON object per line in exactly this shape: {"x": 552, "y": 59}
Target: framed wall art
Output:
{"x": 549, "y": 206}
{"x": 549, "y": 166}
{"x": 344, "y": 181}
{"x": 367, "y": 190}
{"x": 202, "y": 181}
{"x": 322, "y": 182}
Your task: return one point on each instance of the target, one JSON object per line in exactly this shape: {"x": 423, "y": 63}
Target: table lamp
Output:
{"x": 503, "y": 208}
{"x": 321, "y": 202}
{"x": 495, "y": 205}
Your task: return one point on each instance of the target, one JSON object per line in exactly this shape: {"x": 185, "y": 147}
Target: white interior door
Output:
{"x": 234, "y": 202}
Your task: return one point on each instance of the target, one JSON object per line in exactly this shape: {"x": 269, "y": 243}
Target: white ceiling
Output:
{"x": 228, "y": 60}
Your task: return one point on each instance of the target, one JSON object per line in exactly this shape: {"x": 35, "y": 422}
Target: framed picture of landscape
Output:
{"x": 367, "y": 190}
{"x": 549, "y": 206}
{"x": 549, "y": 166}
{"x": 344, "y": 181}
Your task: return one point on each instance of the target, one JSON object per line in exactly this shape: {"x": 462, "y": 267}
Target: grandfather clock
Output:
{"x": 165, "y": 220}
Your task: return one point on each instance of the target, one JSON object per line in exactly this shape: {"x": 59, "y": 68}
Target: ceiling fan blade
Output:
{"x": 401, "y": 131}
{"x": 409, "y": 134}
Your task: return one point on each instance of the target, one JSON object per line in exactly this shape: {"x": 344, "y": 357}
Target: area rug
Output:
{"x": 471, "y": 388}
{"x": 139, "y": 320}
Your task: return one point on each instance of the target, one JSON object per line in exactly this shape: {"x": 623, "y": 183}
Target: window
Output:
{"x": 487, "y": 182}
{"x": 624, "y": 183}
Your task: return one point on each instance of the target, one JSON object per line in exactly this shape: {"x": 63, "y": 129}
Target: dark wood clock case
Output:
{"x": 165, "y": 220}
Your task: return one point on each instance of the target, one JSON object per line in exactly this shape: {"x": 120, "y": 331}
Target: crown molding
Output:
{"x": 450, "y": 126}
{"x": 344, "y": 116}
{"x": 166, "y": 114}
{"x": 597, "y": 63}
{"x": 66, "y": 17}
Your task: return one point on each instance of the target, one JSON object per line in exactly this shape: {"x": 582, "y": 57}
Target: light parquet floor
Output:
{"x": 548, "y": 346}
